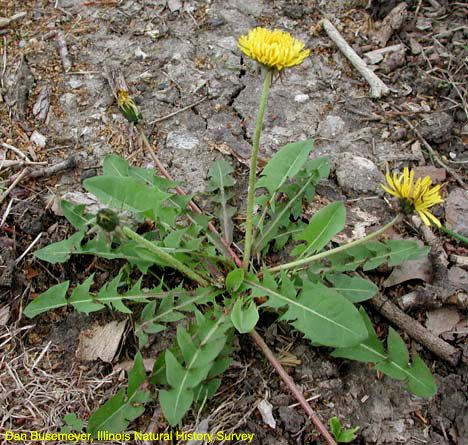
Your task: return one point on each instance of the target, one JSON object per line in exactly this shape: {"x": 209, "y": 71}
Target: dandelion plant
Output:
{"x": 155, "y": 227}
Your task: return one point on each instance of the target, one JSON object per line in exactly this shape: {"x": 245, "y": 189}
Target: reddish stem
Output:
{"x": 191, "y": 204}
{"x": 321, "y": 428}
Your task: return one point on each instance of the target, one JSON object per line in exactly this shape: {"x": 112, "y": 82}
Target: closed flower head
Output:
{"x": 275, "y": 49}
{"x": 128, "y": 107}
{"x": 417, "y": 196}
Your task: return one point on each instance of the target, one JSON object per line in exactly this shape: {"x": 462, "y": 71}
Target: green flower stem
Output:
{"x": 454, "y": 235}
{"x": 253, "y": 166}
{"x": 169, "y": 259}
{"x": 319, "y": 256}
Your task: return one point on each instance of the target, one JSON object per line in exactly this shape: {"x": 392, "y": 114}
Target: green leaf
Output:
{"x": 355, "y": 289}
{"x": 420, "y": 379}
{"x": 285, "y": 164}
{"x": 221, "y": 181}
{"x": 395, "y": 364}
{"x": 370, "y": 350}
{"x": 279, "y": 218}
{"x": 117, "y": 413}
{"x": 125, "y": 193}
{"x": 170, "y": 309}
{"x": 75, "y": 214}
{"x": 50, "y": 299}
{"x": 72, "y": 423}
{"x": 184, "y": 375}
{"x": 114, "y": 165}
{"x": 244, "y": 317}
{"x": 341, "y": 435}
{"x": 61, "y": 251}
{"x": 323, "y": 226}
{"x": 335, "y": 426}
{"x": 321, "y": 314}
{"x": 404, "y": 250}
{"x": 82, "y": 300}
{"x": 234, "y": 280}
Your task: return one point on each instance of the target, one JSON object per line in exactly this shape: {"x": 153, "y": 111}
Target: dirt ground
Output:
{"x": 178, "y": 53}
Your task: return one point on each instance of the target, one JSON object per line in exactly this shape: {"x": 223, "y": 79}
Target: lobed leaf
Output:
{"x": 52, "y": 298}
{"x": 117, "y": 413}
{"x": 61, "y": 251}
{"x": 322, "y": 227}
{"x": 321, "y": 314}
{"x": 285, "y": 164}
{"x": 185, "y": 374}
{"x": 395, "y": 363}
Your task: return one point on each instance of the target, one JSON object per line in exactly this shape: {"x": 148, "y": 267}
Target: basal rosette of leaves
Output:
{"x": 319, "y": 292}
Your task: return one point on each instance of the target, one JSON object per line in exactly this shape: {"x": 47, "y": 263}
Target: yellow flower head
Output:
{"x": 128, "y": 107}
{"x": 419, "y": 196}
{"x": 275, "y": 49}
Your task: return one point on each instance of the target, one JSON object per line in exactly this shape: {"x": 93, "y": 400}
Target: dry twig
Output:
{"x": 378, "y": 88}
{"x": 6, "y": 21}
{"x": 416, "y": 330}
{"x": 291, "y": 386}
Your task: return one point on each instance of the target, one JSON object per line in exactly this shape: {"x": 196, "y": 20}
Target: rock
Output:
{"x": 456, "y": 211}
{"x": 68, "y": 3}
{"x": 294, "y": 12}
{"x": 75, "y": 82}
{"x": 358, "y": 174}
{"x": 331, "y": 127}
{"x": 174, "y": 5}
{"x": 436, "y": 127}
{"x": 301, "y": 98}
{"x": 436, "y": 174}
{"x": 139, "y": 54}
{"x": 69, "y": 103}
{"x": 38, "y": 139}
{"x": 181, "y": 141}
{"x": 250, "y": 7}
{"x": 416, "y": 47}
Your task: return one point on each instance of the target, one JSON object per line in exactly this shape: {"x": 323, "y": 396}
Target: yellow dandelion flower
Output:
{"x": 274, "y": 50}
{"x": 128, "y": 107}
{"x": 418, "y": 197}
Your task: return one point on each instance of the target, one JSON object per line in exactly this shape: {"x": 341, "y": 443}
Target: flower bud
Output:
{"x": 107, "y": 219}
{"x": 128, "y": 107}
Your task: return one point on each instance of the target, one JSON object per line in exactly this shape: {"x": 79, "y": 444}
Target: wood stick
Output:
{"x": 416, "y": 330}
{"x": 63, "y": 50}
{"x": 13, "y": 185}
{"x": 321, "y": 428}
{"x": 4, "y": 22}
{"x": 378, "y": 88}
{"x": 49, "y": 170}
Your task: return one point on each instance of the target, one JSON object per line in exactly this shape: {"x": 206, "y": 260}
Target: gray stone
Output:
{"x": 69, "y": 103}
{"x": 68, "y": 3}
{"x": 75, "y": 82}
{"x": 456, "y": 211}
{"x": 181, "y": 141}
{"x": 251, "y": 7}
{"x": 437, "y": 127}
{"x": 358, "y": 174}
{"x": 301, "y": 98}
{"x": 38, "y": 139}
{"x": 331, "y": 127}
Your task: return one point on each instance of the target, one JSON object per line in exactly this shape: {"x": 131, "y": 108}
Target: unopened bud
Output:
{"x": 107, "y": 219}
